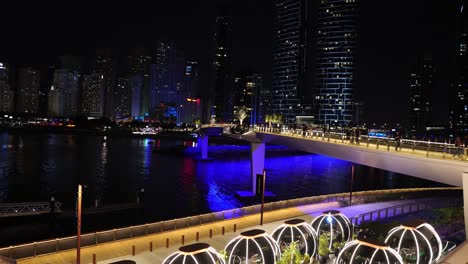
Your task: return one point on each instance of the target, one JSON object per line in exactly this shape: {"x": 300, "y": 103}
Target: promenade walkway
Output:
{"x": 121, "y": 250}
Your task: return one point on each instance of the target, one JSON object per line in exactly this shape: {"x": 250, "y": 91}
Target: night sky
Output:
{"x": 392, "y": 34}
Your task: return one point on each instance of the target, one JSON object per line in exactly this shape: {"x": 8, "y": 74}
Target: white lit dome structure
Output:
{"x": 334, "y": 223}
{"x": 253, "y": 246}
{"x": 296, "y": 230}
{"x": 368, "y": 251}
{"x": 416, "y": 241}
{"x": 195, "y": 254}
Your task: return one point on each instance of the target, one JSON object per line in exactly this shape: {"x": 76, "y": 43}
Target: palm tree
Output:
{"x": 242, "y": 114}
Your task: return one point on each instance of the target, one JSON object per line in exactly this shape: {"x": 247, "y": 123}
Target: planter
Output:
{"x": 323, "y": 259}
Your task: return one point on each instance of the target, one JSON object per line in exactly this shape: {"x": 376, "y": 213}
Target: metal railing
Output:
{"x": 443, "y": 149}
{"x": 67, "y": 243}
{"x": 398, "y": 210}
{"x": 18, "y": 209}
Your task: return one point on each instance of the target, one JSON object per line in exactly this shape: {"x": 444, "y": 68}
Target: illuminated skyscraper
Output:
{"x": 460, "y": 107}
{"x": 421, "y": 84}
{"x": 222, "y": 93}
{"x": 103, "y": 65}
{"x": 93, "y": 95}
{"x": 289, "y": 57}
{"x": 335, "y": 69}
{"x": 28, "y": 82}
{"x": 191, "y": 106}
{"x": 6, "y": 93}
{"x": 139, "y": 65}
{"x": 246, "y": 94}
{"x": 63, "y": 95}
{"x": 123, "y": 99}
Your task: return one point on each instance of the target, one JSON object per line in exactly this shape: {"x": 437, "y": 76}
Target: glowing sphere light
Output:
{"x": 195, "y": 254}
{"x": 416, "y": 241}
{"x": 297, "y": 230}
{"x": 334, "y": 223}
{"x": 368, "y": 251}
{"x": 253, "y": 246}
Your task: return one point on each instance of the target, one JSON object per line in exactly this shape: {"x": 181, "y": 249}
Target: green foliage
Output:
{"x": 224, "y": 254}
{"x": 323, "y": 249}
{"x": 292, "y": 255}
{"x": 274, "y": 119}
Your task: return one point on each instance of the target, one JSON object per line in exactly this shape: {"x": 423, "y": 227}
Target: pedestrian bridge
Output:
{"x": 423, "y": 159}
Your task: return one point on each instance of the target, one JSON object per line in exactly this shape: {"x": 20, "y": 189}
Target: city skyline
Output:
{"x": 393, "y": 45}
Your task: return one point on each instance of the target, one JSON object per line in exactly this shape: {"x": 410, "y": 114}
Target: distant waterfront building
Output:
{"x": 6, "y": 93}
{"x": 136, "y": 84}
{"x": 168, "y": 77}
{"x": 93, "y": 95}
{"x": 336, "y": 57}
{"x": 27, "y": 96}
{"x": 191, "y": 104}
{"x": 222, "y": 105}
{"x": 289, "y": 57}
{"x": 103, "y": 65}
{"x": 139, "y": 63}
{"x": 123, "y": 99}
{"x": 459, "y": 117}
{"x": 63, "y": 95}
{"x": 421, "y": 85}
{"x": 264, "y": 104}
{"x": 246, "y": 94}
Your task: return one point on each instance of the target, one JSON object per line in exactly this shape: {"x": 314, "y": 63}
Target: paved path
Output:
{"x": 120, "y": 250}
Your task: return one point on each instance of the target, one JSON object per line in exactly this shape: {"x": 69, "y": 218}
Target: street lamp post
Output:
{"x": 351, "y": 185}
{"x": 78, "y": 236}
{"x": 263, "y": 197}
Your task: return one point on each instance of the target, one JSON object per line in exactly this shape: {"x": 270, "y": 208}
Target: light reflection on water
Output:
{"x": 175, "y": 184}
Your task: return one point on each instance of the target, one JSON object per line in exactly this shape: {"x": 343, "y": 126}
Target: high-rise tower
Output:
{"x": 222, "y": 92}
{"x": 421, "y": 84}
{"x": 289, "y": 57}
{"x": 335, "y": 62}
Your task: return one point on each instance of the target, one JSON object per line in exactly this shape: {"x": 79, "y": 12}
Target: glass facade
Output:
{"x": 336, "y": 50}
{"x": 289, "y": 57}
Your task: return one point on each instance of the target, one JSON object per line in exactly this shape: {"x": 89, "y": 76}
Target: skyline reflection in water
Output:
{"x": 33, "y": 167}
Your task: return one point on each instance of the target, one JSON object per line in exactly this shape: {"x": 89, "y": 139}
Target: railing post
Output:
{"x": 378, "y": 143}
{"x": 414, "y": 144}
{"x": 428, "y": 145}
{"x": 367, "y": 141}
{"x": 445, "y": 149}
{"x": 388, "y": 144}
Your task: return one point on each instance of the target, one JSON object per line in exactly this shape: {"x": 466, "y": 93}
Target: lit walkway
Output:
{"x": 383, "y": 146}
{"x": 120, "y": 250}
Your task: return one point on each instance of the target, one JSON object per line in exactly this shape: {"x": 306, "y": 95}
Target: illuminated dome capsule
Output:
{"x": 253, "y": 246}
{"x": 299, "y": 231}
{"x": 416, "y": 241}
{"x": 368, "y": 251}
{"x": 334, "y": 223}
{"x": 195, "y": 254}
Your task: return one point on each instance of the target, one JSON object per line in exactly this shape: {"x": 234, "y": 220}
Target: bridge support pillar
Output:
{"x": 202, "y": 143}
{"x": 465, "y": 200}
{"x": 257, "y": 162}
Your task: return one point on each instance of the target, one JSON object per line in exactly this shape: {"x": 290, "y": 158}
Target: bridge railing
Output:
{"x": 17, "y": 209}
{"x": 66, "y": 243}
{"x": 440, "y": 149}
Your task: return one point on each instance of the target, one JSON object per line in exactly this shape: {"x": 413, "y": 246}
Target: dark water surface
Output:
{"x": 32, "y": 167}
